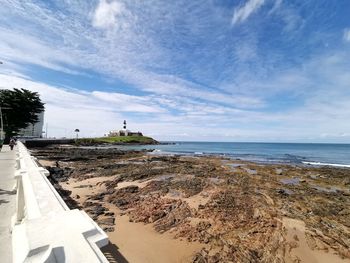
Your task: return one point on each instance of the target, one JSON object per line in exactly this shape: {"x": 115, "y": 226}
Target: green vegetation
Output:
{"x": 118, "y": 140}
{"x": 19, "y": 107}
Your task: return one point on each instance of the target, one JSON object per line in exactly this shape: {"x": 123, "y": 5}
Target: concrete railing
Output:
{"x": 44, "y": 228}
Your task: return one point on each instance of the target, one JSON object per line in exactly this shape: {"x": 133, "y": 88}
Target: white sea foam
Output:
{"x": 328, "y": 164}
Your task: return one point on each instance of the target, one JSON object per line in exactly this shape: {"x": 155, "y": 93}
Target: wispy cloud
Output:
{"x": 27, "y": 49}
{"x": 179, "y": 62}
{"x": 106, "y": 14}
{"x": 242, "y": 13}
{"x": 346, "y": 35}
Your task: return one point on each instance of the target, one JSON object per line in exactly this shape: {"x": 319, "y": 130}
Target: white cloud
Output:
{"x": 27, "y": 49}
{"x": 72, "y": 98}
{"x": 144, "y": 40}
{"x": 246, "y": 51}
{"x": 95, "y": 113}
{"x": 241, "y": 13}
{"x": 128, "y": 103}
{"x": 106, "y": 14}
{"x": 346, "y": 35}
{"x": 124, "y": 54}
{"x": 275, "y": 6}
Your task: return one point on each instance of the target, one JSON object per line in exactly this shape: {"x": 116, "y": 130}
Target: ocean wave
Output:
{"x": 327, "y": 164}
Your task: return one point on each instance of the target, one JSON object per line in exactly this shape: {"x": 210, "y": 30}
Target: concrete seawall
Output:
{"x": 44, "y": 228}
{"x": 45, "y": 142}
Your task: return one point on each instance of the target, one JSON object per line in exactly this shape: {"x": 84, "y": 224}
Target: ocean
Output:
{"x": 294, "y": 153}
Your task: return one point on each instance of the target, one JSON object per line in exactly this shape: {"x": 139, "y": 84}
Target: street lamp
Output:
{"x": 76, "y": 131}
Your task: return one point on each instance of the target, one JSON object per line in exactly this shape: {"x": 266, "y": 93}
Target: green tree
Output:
{"x": 21, "y": 107}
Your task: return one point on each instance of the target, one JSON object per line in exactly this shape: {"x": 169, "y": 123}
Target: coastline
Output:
{"x": 272, "y": 209}
{"x": 275, "y": 153}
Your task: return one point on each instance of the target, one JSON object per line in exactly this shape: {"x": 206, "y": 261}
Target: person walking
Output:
{"x": 12, "y": 143}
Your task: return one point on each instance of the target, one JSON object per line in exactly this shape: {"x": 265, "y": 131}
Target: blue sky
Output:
{"x": 239, "y": 70}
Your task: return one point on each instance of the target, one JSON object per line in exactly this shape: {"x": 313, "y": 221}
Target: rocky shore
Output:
{"x": 233, "y": 211}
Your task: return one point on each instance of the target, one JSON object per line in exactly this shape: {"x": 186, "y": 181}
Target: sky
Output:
{"x": 208, "y": 70}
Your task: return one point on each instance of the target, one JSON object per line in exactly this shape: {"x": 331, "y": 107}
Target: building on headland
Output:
{"x": 124, "y": 132}
{"x": 34, "y": 130}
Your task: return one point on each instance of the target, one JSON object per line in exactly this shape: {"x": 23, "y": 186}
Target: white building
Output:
{"x": 124, "y": 132}
{"x": 35, "y": 130}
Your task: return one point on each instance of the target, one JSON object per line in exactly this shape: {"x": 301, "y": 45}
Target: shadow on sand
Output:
{"x": 112, "y": 254}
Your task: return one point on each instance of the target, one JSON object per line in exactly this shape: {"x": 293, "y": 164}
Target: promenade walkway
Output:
{"x": 7, "y": 201}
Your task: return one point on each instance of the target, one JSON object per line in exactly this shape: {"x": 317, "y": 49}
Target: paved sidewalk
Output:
{"x": 7, "y": 201}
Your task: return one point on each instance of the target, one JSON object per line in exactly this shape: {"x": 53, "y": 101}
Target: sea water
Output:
{"x": 307, "y": 153}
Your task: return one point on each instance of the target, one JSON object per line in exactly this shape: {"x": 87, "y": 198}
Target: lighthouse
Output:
{"x": 124, "y": 132}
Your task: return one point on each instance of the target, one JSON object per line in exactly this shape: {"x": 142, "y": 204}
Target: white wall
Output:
{"x": 44, "y": 228}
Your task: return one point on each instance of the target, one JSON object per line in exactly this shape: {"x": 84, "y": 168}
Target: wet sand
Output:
{"x": 300, "y": 250}
{"x": 141, "y": 243}
{"x": 135, "y": 242}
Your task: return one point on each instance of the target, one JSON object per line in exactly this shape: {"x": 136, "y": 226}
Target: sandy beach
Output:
{"x": 206, "y": 209}
{"x": 135, "y": 241}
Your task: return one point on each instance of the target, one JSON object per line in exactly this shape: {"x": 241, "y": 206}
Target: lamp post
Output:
{"x": 76, "y": 131}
